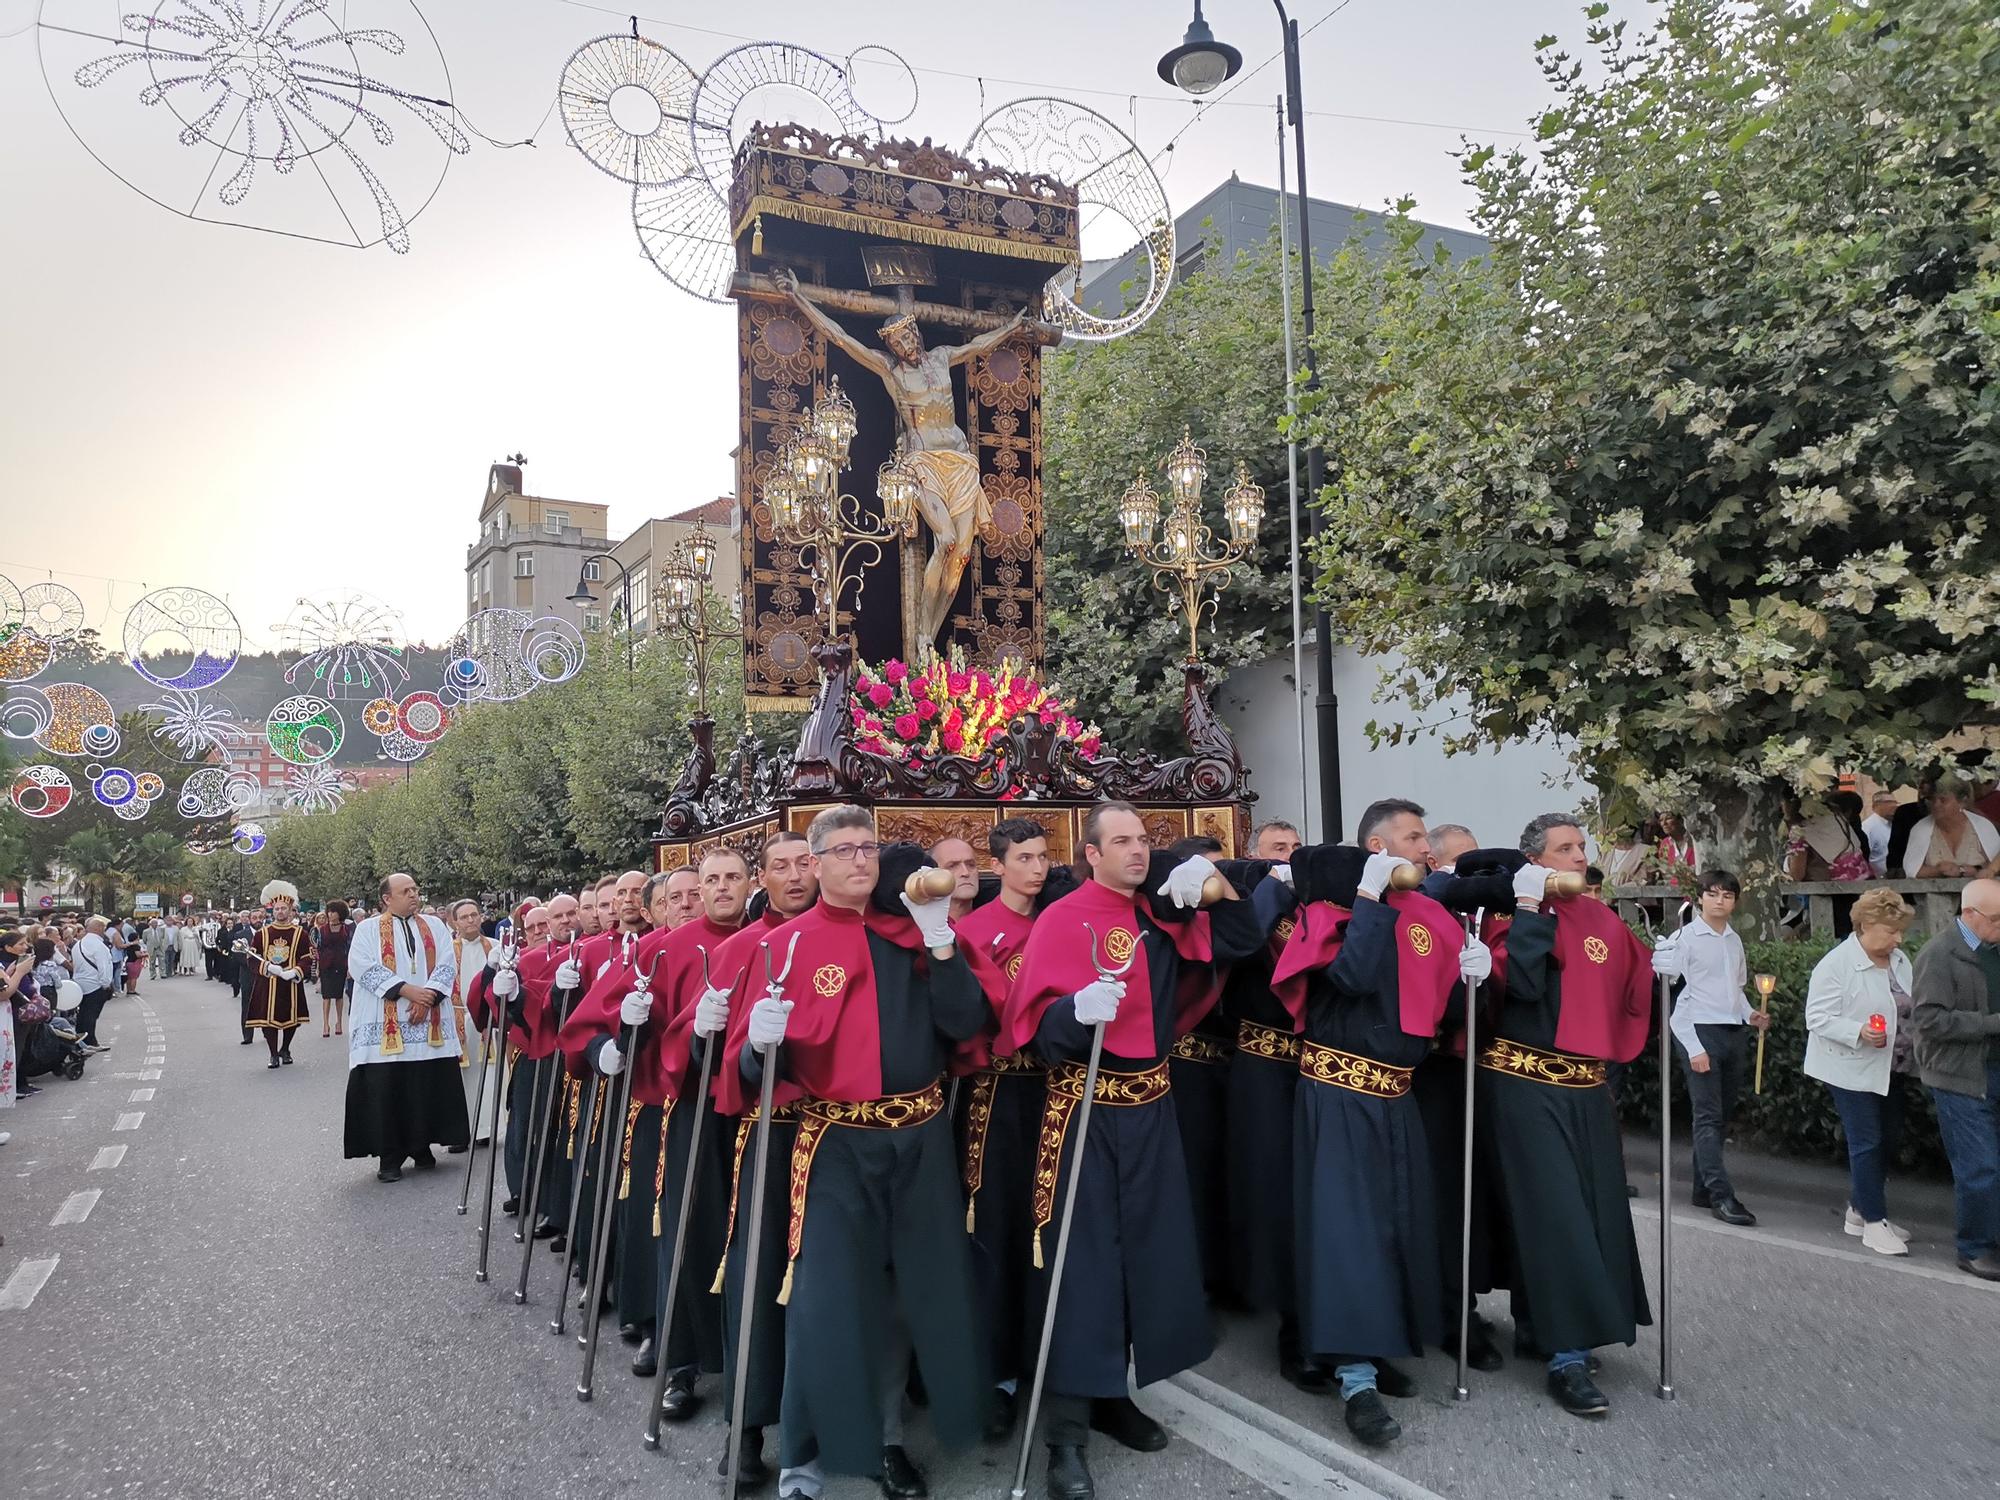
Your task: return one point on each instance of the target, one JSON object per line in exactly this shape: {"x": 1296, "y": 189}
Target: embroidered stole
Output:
{"x": 392, "y": 1034}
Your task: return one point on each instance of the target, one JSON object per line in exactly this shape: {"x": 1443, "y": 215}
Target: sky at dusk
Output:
{"x": 186, "y": 403}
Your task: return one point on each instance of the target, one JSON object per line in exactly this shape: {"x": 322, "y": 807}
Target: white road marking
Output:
{"x": 141, "y": 1096}
{"x": 106, "y": 1158}
{"x": 28, "y": 1279}
{"x": 1272, "y": 1450}
{"x": 131, "y": 1121}
{"x": 150, "y": 1073}
{"x": 76, "y": 1207}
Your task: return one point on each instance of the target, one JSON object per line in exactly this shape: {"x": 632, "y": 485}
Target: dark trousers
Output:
{"x": 1714, "y": 1095}
{"x": 1970, "y": 1127}
{"x": 208, "y": 961}
{"x": 243, "y": 1005}
{"x": 1873, "y": 1125}
{"x": 88, "y": 1012}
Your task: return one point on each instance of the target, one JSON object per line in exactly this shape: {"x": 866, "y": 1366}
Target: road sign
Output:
{"x": 47, "y": 903}
{"x": 146, "y": 901}
{"x": 187, "y": 898}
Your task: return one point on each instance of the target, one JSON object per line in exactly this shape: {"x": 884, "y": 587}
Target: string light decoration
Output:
{"x": 632, "y": 76}
{"x": 11, "y": 615}
{"x": 350, "y": 647}
{"x": 112, "y": 786}
{"x": 25, "y": 713}
{"x": 502, "y": 655}
{"x": 304, "y": 730}
{"x": 197, "y": 728}
{"x": 399, "y": 747}
{"x": 216, "y": 792}
{"x": 248, "y": 838}
{"x": 423, "y": 717}
{"x": 256, "y": 84}
{"x": 24, "y": 655}
{"x": 81, "y": 721}
{"x": 41, "y": 791}
{"x": 52, "y": 610}
{"x": 182, "y": 624}
{"x": 318, "y": 788}
{"x": 553, "y": 649}
{"x": 379, "y": 717}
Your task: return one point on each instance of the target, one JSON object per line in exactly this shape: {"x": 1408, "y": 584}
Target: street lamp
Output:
{"x": 583, "y": 596}
{"x": 688, "y": 610}
{"x": 1197, "y": 66}
{"x": 1190, "y": 564}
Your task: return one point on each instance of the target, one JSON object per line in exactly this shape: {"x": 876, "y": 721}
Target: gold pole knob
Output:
{"x": 930, "y": 884}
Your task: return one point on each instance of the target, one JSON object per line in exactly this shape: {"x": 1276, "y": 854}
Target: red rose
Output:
{"x": 907, "y": 725}
{"x": 952, "y": 740}
{"x": 895, "y": 672}
{"x": 862, "y": 683}
{"x": 881, "y": 695}
{"x": 926, "y": 710}
{"x": 956, "y": 683}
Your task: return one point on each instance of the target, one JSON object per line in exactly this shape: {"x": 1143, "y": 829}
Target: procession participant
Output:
{"x": 1369, "y": 1259}
{"x": 402, "y": 1051}
{"x": 336, "y": 933}
{"x": 679, "y": 899}
{"x": 956, "y": 855}
{"x": 533, "y": 1021}
{"x": 244, "y": 961}
{"x": 1001, "y": 1119}
{"x": 588, "y": 925}
{"x": 788, "y": 886}
{"x": 609, "y": 971}
{"x": 210, "y": 931}
{"x": 1448, "y": 841}
{"x": 1131, "y": 1291}
{"x": 279, "y": 963}
{"x": 1263, "y": 1082}
{"x": 656, "y": 1154}
{"x": 876, "y": 994}
{"x": 469, "y": 950}
{"x": 1578, "y": 995}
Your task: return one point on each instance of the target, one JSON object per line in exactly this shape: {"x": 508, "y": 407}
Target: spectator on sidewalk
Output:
{"x": 96, "y": 967}
{"x": 1903, "y": 822}
{"x": 1868, "y": 1072}
{"x": 1676, "y": 849}
{"x": 1958, "y": 1055}
{"x": 1712, "y": 1022}
{"x": 1877, "y": 826}
{"x": 1954, "y": 840}
{"x": 132, "y": 949}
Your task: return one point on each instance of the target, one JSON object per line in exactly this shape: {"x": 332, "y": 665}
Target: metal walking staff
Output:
{"x": 1068, "y": 1213}
{"x": 698, "y": 1101}
{"x": 616, "y": 1122}
{"x": 1459, "y": 1390}
{"x": 774, "y": 989}
{"x": 506, "y": 961}
{"x": 1665, "y": 1389}
{"x": 541, "y": 1130}
{"x": 580, "y": 1152}
{"x": 493, "y": 1150}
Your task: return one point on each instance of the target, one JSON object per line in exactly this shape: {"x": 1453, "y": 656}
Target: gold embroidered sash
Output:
{"x": 779, "y": 1115}
{"x": 816, "y": 1117}
{"x": 660, "y": 1167}
{"x": 1200, "y": 1048}
{"x": 979, "y": 1119}
{"x": 625, "y": 1149}
{"x": 1560, "y": 1069}
{"x": 1269, "y": 1042}
{"x": 1119, "y": 1090}
{"x": 1350, "y": 1070}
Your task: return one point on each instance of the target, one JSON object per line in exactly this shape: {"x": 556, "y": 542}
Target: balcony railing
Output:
{"x": 531, "y": 536}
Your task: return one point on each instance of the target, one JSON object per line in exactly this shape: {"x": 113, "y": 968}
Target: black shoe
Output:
{"x": 423, "y": 1161}
{"x": 1700, "y": 1199}
{"x": 457, "y": 1150}
{"x": 644, "y": 1365}
{"x": 246, "y": 1041}
{"x": 750, "y": 1466}
{"x": 900, "y": 1479}
{"x": 285, "y": 1058}
{"x": 1391, "y": 1381}
{"x": 679, "y": 1402}
{"x": 389, "y": 1174}
{"x": 1631, "y": 1191}
{"x": 1481, "y": 1353}
{"x": 1000, "y": 1416}
{"x": 1369, "y": 1420}
{"x": 1574, "y": 1392}
{"x": 1986, "y": 1267}
{"x": 631, "y": 1333}
{"x": 548, "y": 1228}
{"x": 510, "y": 1206}
{"x": 1302, "y": 1373}
{"x": 1731, "y": 1211}
{"x": 1069, "y": 1475}
{"x": 1121, "y": 1421}
{"x": 484, "y": 1140}
{"x": 557, "y": 1245}
{"x": 272, "y": 1063}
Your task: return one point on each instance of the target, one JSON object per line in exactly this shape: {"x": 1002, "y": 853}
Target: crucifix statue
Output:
{"x": 952, "y": 503}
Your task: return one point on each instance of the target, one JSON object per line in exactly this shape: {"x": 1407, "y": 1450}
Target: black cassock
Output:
{"x": 1132, "y": 1284}
{"x": 1575, "y": 1265}
{"x": 552, "y": 1197}
{"x": 1199, "y": 1068}
{"x": 764, "y": 1390}
{"x": 1367, "y": 1242}
{"x": 696, "y": 1340}
{"x": 1258, "y": 1153}
{"x": 884, "y": 1240}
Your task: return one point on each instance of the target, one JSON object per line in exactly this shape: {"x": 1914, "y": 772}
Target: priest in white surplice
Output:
{"x": 403, "y": 1088}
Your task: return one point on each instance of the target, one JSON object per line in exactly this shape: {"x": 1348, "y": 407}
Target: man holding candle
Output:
{"x": 1712, "y": 1023}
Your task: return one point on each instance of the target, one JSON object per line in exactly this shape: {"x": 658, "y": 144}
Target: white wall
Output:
{"x": 1492, "y": 792}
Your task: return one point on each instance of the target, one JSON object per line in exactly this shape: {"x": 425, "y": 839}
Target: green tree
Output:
{"x": 157, "y": 861}
{"x": 1697, "y": 468}
{"x": 91, "y": 855}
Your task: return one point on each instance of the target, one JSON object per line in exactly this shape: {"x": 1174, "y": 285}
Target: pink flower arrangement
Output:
{"x": 951, "y": 708}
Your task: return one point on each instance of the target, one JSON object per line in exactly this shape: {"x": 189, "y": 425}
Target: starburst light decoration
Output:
{"x": 317, "y": 788}
{"x": 270, "y": 104}
{"x": 197, "y": 728}
{"x": 350, "y": 647}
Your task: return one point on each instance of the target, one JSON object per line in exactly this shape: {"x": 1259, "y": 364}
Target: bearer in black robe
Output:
{"x": 1132, "y": 1289}
{"x": 1579, "y": 996}
{"x": 865, "y": 1006}
{"x": 1367, "y": 1232}
{"x": 1198, "y": 1068}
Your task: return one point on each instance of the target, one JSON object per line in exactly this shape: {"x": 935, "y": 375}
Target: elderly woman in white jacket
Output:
{"x": 1857, "y": 1024}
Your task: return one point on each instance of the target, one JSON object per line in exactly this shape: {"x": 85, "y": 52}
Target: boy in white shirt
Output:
{"x": 1712, "y": 1022}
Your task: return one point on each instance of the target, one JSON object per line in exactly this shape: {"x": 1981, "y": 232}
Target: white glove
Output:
{"x": 289, "y": 974}
{"x": 1283, "y": 875}
{"x": 1531, "y": 883}
{"x": 933, "y": 919}
{"x": 1667, "y": 961}
{"x": 610, "y": 1061}
{"x": 711, "y": 1013}
{"x": 569, "y": 974}
{"x": 1098, "y": 1001}
{"x": 1475, "y": 960}
{"x": 1376, "y": 873}
{"x": 506, "y": 984}
{"x": 767, "y": 1022}
{"x": 1183, "y": 886}
{"x": 636, "y": 1008}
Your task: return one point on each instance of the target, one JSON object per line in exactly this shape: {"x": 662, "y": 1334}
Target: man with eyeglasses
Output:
{"x": 874, "y": 996}
{"x": 403, "y": 1089}
{"x": 1957, "y": 1017}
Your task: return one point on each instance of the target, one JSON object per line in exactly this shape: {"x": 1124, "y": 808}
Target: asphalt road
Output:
{"x": 199, "y": 1298}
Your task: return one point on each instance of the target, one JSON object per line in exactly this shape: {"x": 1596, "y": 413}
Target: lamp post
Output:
{"x": 1187, "y": 563}
{"x": 688, "y": 610}
{"x": 809, "y": 512}
{"x": 583, "y": 596}
{"x": 1199, "y": 65}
